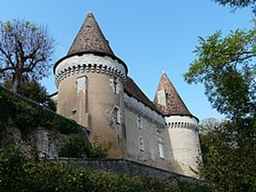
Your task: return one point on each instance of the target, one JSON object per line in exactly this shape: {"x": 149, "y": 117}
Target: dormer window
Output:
{"x": 161, "y": 97}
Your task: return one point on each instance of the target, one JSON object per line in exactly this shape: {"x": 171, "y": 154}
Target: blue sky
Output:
{"x": 149, "y": 36}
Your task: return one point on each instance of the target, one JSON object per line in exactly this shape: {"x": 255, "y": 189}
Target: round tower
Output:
{"x": 185, "y": 153}
{"x": 90, "y": 82}
{"x": 184, "y": 149}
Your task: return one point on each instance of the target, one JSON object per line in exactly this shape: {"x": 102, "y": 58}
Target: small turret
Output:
{"x": 90, "y": 86}
{"x": 183, "y": 128}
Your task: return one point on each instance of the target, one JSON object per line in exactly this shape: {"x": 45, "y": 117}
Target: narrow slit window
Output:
{"x": 115, "y": 85}
{"x": 117, "y": 115}
{"x": 139, "y": 122}
{"x": 161, "y": 150}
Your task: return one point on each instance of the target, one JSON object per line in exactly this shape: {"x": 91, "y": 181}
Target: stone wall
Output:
{"x": 34, "y": 130}
{"x": 126, "y": 167}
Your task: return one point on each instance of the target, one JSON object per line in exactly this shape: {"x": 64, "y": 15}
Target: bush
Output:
{"x": 99, "y": 149}
{"x": 11, "y": 169}
{"x": 28, "y": 115}
{"x": 77, "y": 147}
{"x": 19, "y": 174}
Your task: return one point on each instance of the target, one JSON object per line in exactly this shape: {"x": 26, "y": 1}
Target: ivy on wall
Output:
{"x": 28, "y": 115}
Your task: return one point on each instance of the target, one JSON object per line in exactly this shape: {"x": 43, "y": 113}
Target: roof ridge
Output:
{"x": 90, "y": 39}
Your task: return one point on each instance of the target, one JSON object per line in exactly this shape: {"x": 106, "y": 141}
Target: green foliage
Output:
{"x": 32, "y": 90}
{"x": 28, "y": 115}
{"x": 25, "y": 116}
{"x": 226, "y": 67}
{"x": 235, "y": 4}
{"x": 229, "y": 154}
{"x": 11, "y": 167}
{"x": 77, "y": 147}
{"x": 99, "y": 149}
{"x": 18, "y": 174}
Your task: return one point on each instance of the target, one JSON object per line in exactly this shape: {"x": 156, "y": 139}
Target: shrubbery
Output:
{"x": 28, "y": 115}
{"x": 77, "y": 147}
{"x": 99, "y": 149}
{"x": 18, "y": 174}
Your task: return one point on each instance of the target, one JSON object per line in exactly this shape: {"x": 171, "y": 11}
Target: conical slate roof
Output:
{"x": 167, "y": 99}
{"x": 90, "y": 39}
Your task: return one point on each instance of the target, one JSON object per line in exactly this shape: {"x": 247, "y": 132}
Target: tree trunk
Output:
{"x": 16, "y": 82}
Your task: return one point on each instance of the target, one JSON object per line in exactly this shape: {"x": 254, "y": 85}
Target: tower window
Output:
{"x": 81, "y": 83}
{"x": 115, "y": 85}
{"x": 139, "y": 122}
{"x": 161, "y": 150}
{"x": 141, "y": 144}
{"x": 117, "y": 115}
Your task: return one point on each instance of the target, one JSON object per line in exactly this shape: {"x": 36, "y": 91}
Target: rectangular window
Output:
{"x": 139, "y": 122}
{"x": 81, "y": 84}
{"x": 141, "y": 144}
{"x": 161, "y": 150}
{"x": 115, "y": 85}
{"x": 117, "y": 115}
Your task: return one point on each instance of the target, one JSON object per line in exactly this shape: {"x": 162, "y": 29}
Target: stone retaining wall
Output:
{"x": 126, "y": 167}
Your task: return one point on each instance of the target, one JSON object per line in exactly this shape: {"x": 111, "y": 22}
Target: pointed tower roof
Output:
{"x": 90, "y": 39}
{"x": 167, "y": 99}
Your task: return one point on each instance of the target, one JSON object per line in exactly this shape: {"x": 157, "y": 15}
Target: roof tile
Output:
{"x": 133, "y": 90}
{"x": 90, "y": 39}
{"x": 172, "y": 104}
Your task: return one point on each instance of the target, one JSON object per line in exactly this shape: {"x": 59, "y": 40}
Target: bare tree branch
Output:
{"x": 25, "y": 49}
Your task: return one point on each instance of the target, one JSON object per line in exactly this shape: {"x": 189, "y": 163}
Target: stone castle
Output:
{"x": 95, "y": 91}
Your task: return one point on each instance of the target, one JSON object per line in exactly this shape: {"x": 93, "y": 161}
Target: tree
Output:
{"x": 228, "y": 165}
{"x": 25, "y": 50}
{"x": 33, "y": 90}
{"x": 226, "y": 66}
{"x": 234, "y": 4}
